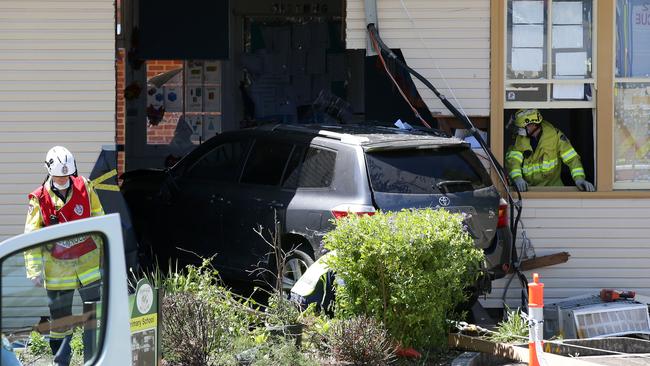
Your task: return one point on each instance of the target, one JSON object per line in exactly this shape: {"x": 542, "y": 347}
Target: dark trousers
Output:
{"x": 60, "y": 304}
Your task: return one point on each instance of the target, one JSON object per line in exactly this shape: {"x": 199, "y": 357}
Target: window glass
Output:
{"x": 631, "y": 133}
{"x": 221, "y": 163}
{"x": 61, "y": 281}
{"x": 292, "y": 174}
{"x": 633, "y": 38}
{"x": 266, "y": 162}
{"x": 183, "y": 102}
{"x": 549, "y": 42}
{"x": 426, "y": 171}
{"x": 317, "y": 169}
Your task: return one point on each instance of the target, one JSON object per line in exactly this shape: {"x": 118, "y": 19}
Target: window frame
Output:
{"x": 604, "y": 58}
{"x": 549, "y": 80}
{"x": 618, "y": 186}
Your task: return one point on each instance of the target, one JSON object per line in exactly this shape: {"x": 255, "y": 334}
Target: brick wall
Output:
{"x": 161, "y": 134}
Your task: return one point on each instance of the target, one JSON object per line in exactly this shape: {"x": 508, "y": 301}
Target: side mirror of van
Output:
{"x": 62, "y": 280}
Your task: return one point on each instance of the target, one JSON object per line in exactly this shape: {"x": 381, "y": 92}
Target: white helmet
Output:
{"x": 59, "y": 162}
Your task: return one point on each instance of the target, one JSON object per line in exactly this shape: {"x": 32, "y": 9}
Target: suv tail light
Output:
{"x": 343, "y": 210}
{"x": 503, "y": 214}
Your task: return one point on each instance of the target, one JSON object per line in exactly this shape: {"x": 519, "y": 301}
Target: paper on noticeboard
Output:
{"x": 527, "y": 36}
{"x": 194, "y": 72}
{"x": 571, "y": 63}
{"x": 527, "y": 59}
{"x": 567, "y": 12}
{"x": 567, "y": 36}
{"x": 569, "y": 91}
{"x": 212, "y": 72}
{"x": 524, "y": 12}
{"x": 212, "y": 101}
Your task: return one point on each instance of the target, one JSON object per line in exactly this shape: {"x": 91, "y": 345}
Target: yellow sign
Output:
{"x": 144, "y": 322}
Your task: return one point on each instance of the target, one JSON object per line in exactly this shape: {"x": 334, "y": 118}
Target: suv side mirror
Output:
{"x": 75, "y": 275}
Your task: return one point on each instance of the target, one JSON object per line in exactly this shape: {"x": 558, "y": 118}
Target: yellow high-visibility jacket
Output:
{"x": 542, "y": 167}
{"x": 62, "y": 274}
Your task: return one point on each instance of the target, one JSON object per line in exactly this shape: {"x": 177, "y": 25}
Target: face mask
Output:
{"x": 522, "y": 132}
{"x": 60, "y": 187}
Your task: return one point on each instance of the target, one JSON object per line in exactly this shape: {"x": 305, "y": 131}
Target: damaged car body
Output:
{"x": 215, "y": 198}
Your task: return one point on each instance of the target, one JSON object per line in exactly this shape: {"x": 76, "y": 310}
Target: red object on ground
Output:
{"x": 407, "y": 353}
{"x": 609, "y": 295}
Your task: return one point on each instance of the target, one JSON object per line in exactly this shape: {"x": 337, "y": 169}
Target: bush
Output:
{"x": 407, "y": 269}
{"x": 201, "y": 318}
{"x": 513, "y": 328}
{"x": 360, "y": 341}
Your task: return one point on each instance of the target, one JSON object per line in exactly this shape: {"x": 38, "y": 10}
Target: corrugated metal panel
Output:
{"x": 454, "y": 53}
{"x": 607, "y": 240}
{"x": 57, "y": 87}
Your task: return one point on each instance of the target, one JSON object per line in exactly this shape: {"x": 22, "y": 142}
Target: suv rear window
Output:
{"x": 426, "y": 171}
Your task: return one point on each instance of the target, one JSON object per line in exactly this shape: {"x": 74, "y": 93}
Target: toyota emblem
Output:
{"x": 444, "y": 201}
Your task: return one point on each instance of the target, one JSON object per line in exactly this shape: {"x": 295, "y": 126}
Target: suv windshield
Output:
{"x": 426, "y": 171}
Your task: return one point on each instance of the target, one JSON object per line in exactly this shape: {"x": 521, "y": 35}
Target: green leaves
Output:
{"x": 407, "y": 269}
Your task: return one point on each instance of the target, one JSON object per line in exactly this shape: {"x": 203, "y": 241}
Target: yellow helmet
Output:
{"x": 523, "y": 117}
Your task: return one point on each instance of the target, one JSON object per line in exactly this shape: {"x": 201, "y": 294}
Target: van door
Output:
{"x": 259, "y": 202}
{"x": 100, "y": 271}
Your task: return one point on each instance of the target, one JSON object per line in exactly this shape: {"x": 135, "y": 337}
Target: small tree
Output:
{"x": 407, "y": 269}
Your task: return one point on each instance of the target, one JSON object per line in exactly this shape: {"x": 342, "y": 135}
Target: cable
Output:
{"x": 408, "y": 14}
{"x": 392, "y": 78}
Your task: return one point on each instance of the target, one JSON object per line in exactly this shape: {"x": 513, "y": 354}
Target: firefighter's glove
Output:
{"x": 521, "y": 184}
{"x": 583, "y": 185}
{"x": 37, "y": 281}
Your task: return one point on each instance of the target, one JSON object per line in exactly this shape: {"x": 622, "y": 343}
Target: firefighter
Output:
{"x": 67, "y": 265}
{"x": 539, "y": 149}
{"x": 316, "y": 285}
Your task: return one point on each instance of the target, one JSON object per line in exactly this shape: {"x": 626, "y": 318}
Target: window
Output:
{"x": 266, "y": 163}
{"x": 632, "y": 95}
{"x": 549, "y": 54}
{"x": 221, "y": 163}
{"x": 426, "y": 171}
{"x": 183, "y": 102}
{"x": 317, "y": 169}
{"x": 314, "y": 169}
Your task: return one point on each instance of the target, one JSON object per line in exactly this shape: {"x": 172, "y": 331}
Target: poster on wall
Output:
{"x": 194, "y": 100}
{"x": 196, "y": 122}
{"x": 212, "y": 72}
{"x": 212, "y": 99}
{"x": 211, "y": 125}
{"x": 173, "y": 98}
{"x": 194, "y": 72}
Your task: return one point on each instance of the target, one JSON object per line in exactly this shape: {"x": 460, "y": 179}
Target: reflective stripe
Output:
{"x": 515, "y": 155}
{"x": 577, "y": 172}
{"x": 569, "y": 155}
{"x": 546, "y": 166}
{"x": 59, "y": 335}
{"x": 515, "y": 173}
{"x": 90, "y": 276}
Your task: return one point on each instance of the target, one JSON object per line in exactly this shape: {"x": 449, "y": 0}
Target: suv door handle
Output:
{"x": 276, "y": 204}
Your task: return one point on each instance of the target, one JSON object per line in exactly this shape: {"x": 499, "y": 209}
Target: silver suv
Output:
{"x": 211, "y": 201}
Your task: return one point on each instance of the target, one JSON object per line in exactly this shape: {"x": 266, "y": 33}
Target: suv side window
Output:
{"x": 221, "y": 163}
{"x": 266, "y": 162}
{"x": 313, "y": 169}
{"x": 317, "y": 169}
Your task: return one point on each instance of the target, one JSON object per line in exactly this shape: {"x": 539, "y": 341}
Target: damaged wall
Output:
{"x": 456, "y": 36}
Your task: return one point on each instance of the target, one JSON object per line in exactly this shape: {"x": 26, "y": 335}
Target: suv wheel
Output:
{"x": 294, "y": 268}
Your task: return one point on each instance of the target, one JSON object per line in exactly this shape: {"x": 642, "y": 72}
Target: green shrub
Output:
{"x": 513, "y": 328}
{"x": 361, "y": 341}
{"x": 407, "y": 269}
{"x": 38, "y": 345}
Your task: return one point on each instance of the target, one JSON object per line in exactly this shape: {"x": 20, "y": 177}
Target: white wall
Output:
{"x": 57, "y": 87}
{"x": 608, "y": 240}
{"x": 456, "y": 47}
